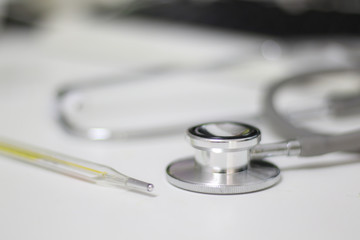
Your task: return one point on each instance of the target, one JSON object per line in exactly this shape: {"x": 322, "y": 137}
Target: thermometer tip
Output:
{"x": 150, "y": 187}
{"x": 140, "y": 185}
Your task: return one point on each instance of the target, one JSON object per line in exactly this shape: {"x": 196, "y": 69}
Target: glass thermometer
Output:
{"x": 74, "y": 167}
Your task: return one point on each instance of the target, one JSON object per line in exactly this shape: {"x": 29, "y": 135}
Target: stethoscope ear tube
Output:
{"x": 318, "y": 145}
{"x": 312, "y": 143}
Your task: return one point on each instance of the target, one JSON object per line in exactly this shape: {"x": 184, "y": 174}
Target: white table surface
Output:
{"x": 317, "y": 198}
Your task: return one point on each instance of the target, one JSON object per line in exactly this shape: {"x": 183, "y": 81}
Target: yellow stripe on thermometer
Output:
{"x": 86, "y": 170}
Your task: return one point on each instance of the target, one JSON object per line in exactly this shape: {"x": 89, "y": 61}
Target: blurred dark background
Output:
{"x": 275, "y": 17}
{"x": 318, "y": 17}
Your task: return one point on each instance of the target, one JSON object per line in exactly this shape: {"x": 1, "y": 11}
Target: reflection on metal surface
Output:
{"x": 222, "y": 161}
{"x": 186, "y": 175}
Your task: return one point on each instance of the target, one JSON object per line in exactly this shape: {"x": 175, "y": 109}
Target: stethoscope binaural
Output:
{"x": 229, "y": 157}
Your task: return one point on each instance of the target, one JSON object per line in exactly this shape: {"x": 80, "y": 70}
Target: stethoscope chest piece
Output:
{"x": 222, "y": 161}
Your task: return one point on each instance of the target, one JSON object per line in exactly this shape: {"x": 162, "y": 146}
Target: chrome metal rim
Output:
{"x": 187, "y": 174}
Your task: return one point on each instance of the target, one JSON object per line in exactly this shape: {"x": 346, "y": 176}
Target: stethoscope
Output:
{"x": 229, "y": 157}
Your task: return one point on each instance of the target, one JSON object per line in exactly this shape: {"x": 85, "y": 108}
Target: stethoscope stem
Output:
{"x": 285, "y": 148}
